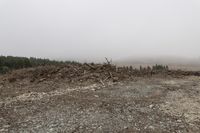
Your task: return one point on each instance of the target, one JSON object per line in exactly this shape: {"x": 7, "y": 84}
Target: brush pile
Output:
{"x": 72, "y": 73}
{"x": 101, "y": 73}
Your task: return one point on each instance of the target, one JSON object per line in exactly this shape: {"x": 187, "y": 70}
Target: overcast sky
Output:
{"x": 94, "y": 29}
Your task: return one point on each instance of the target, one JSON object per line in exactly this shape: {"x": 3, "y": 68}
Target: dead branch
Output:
{"x": 101, "y": 82}
{"x": 106, "y": 78}
{"x": 90, "y": 66}
{"x": 108, "y": 62}
{"x": 111, "y": 76}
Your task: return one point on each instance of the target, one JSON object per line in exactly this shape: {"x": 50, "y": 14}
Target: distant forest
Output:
{"x": 8, "y": 63}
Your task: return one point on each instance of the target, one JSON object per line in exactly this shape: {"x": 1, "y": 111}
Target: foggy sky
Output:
{"x": 94, "y": 29}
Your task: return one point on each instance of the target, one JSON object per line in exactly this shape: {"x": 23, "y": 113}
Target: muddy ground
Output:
{"x": 141, "y": 105}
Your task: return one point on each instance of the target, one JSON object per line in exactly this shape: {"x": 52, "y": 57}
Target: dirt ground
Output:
{"x": 170, "y": 105}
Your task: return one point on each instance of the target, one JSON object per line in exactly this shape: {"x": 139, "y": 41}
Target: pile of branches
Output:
{"x": 73, "y": 73}
{"x": 90, "y": 72}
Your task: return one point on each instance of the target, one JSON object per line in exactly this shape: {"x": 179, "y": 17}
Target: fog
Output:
{"x": 94, "y": 29}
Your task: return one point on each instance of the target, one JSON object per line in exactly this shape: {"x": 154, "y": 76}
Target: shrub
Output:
{"x": 4, "y": 69}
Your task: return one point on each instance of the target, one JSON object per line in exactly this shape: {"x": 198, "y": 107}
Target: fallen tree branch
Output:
{"x": 108, "y": 62}
{"x": 90, "y": 66}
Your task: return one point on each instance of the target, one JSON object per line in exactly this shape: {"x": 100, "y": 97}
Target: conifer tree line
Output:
{"x": 8, "y": 63}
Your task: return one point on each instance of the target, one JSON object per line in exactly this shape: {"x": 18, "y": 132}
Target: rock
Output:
{"x": 179, "y": 120}
{"x": 93, "y": 89}
{"x": 96, "y": 96}
{"x": 151, "y": 106}
{"x": 125, "y": 127}
{"x": 151, "y": 127}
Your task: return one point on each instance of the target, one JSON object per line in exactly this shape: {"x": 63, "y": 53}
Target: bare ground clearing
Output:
{"x": 141, "y": 105}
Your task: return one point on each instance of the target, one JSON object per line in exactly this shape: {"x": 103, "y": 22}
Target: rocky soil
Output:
{"x": 141, "y": 104}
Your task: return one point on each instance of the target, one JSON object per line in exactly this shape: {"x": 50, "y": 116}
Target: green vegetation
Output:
{"x": 8, "y": 63}
{"x": 160, "y": 67}
{"x": 154, "y": 68}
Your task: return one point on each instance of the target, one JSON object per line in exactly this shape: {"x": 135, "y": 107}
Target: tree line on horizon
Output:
{"x": 8, "y": 63}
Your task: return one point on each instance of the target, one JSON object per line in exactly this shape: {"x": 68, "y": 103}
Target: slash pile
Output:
{"x": 77, "y": 72}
